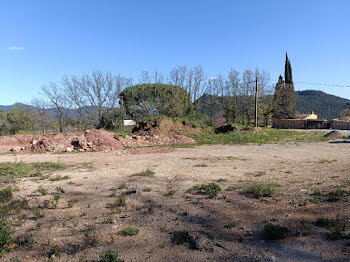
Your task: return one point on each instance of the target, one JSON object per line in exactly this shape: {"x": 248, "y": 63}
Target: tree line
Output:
{"x": 102, "y": 99}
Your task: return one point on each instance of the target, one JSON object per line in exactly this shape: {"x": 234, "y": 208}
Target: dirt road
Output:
{"x": 231, "y": 224}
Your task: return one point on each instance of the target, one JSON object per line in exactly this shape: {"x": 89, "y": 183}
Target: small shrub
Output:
{"x": 71, "y": 202}
{"x": 130, "y": 192}
{"x": 25, "y": 241}
{"x": 146, "y": 173}
{"x": 201, "y": 165}
{"x": 54, "y": 251}
{"x": 261, "y": 190}
{"x": 5, "y": 195}
{"x": 317, "y": 192}
{"x": 181, "y": 237}
{"x": 60, "y": 190}
{"x": 147, "y": 189}
{"x": 211, "y": 189}
{"x": 90, "y": 236}
{"x": 42, "y": 190}
{"x": 119, "y": 202}
{"x": 275, "y": 232}
{"x": 38, "y": 213}
{"x": 336, "y": 195}
{"x": 324, "y": 222}
{"x": 130, "y": 231}
{"x": 110, "y": 256}
{"x": 123, "y": 186}
{"x": 5, "y": 237}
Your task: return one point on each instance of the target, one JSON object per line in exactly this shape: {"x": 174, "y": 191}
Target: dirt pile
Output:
{"x": 335, "y": 135}
{"x": 165, "y": 127}
{"x": 90, "y": 140}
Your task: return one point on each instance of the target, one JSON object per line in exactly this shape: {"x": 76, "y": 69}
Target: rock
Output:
{"x": 16, "y": 149}
{"x": 34, "y": 142}
{"x": 69, "y": 149}
{"x": 200, "y": 243}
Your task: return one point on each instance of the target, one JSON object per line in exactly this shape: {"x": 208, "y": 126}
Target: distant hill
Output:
{"x": 323, "y": 104}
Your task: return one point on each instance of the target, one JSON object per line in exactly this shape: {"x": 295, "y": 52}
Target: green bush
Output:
{"x": 130, "y": 231}
{"x": 5, "y": 237}
{"x": 261, "y": 190}
{"x": 110, "y": 256}
{"x": 211, "y": 189}
{"x": 275, "y": 232}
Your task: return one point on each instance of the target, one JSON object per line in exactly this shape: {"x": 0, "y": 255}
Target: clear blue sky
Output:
{"x": 40, "y": 41}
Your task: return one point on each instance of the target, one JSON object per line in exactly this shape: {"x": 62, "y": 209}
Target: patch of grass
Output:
{"x": 336, "y": 195}
{"x": 275, "y": 232}
{"x": 145, "y": 173}
{"x": 258, "y": 190}
{"x": 25, "y": 241}
{"x": 20, "y": 169}
{"x": 71, "y": 202}
{"x": 123, "y": 186}
{"x": 119, "y": 202}
{"x": 130, "y": 231}
{"x": 5, "y": 195}
{"x": 90, "y": 236}
{"x": 317, "y": 192}
{"x": 60, "y": 190}
{"x": 267, "y": 135}
{"x": 211, "y": 189}
{"x": 38, "y": 213}
{"x": 326, "y": 161}
{"x": 59, "y": 178}
{"x": 110, "y": 256}
{"x": 42, "y": 190}
{"x": 170, "y": 192}
{"x": 5, "y": 237}
{"x": 256, "y": 174}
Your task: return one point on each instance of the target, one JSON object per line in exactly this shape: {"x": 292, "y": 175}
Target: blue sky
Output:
{"x": 40, "y": 41}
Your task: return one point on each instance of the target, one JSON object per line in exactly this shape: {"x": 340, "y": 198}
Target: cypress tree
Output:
{"x": 284, "y": 99}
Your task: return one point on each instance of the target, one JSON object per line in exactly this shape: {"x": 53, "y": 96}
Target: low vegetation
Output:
{"x": 110, "y": 256}
{"x": 11, "y": 170}
{"x": 145, "y": 173}
{"x": 275, "y": 232}
{"x": 261, "y": 189}
{"x": 210, "y": 189}
{"x": 267, "y": 135}
{"x": 130, "y": 231}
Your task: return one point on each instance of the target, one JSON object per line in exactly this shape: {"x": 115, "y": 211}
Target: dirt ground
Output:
{"x": 231, "y": 224}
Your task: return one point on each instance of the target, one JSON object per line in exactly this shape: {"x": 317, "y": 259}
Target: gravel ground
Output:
{"x": 230, "y": 224}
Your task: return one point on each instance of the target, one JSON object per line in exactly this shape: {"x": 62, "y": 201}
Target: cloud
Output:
{"x": 15, "y": 48}
{"x": 211, "y": 78}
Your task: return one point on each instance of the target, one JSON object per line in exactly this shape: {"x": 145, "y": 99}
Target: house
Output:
{"x": 311, "y": 116}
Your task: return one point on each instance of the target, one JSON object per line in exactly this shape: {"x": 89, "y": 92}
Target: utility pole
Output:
{"x": 256, "y": 101}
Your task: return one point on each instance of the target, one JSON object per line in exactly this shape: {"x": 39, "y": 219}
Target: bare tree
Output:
{"x": 43, "y": 118}
{"x": 102, "y": 92}
{"x": 198, "y": 82}
{"x": 58, "y": 101}
{"x": 73, "y": 89}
